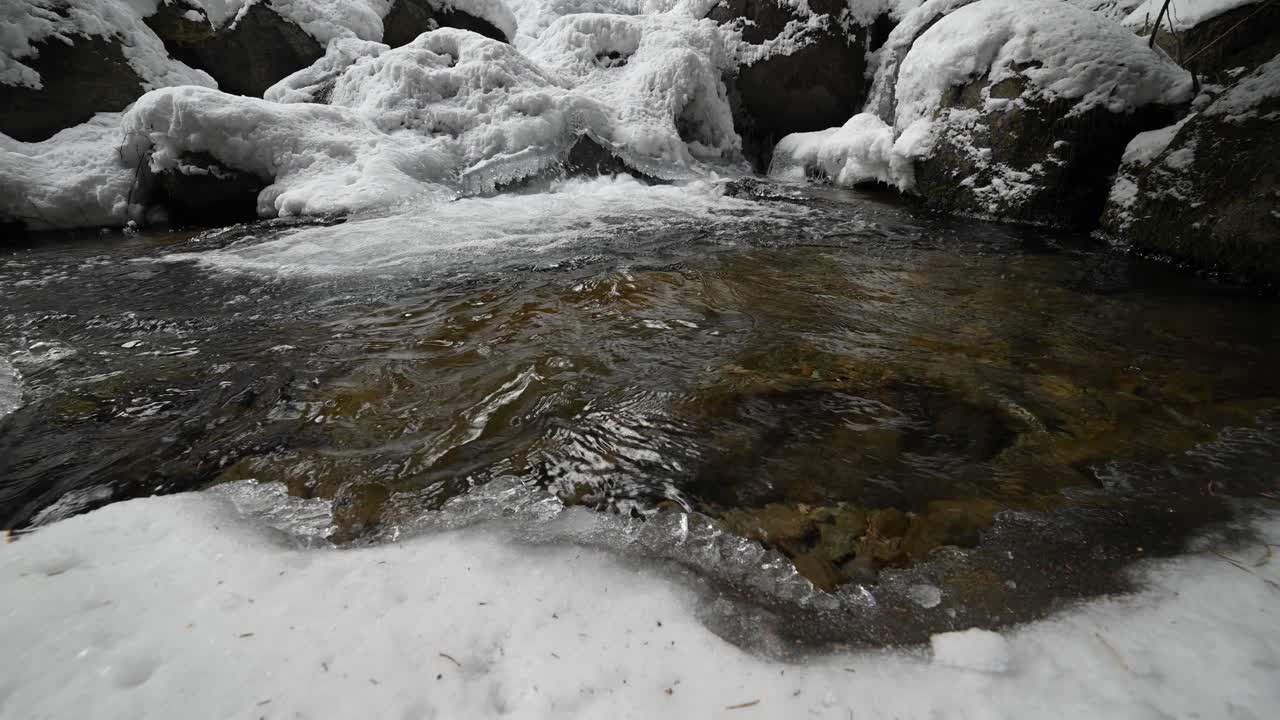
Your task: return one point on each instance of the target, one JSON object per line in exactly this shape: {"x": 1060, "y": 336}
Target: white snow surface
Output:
{"x": 26, "y": 22}
{"x": 193, "y": 605}
{"x": 1078, "y": 55}
{"x": 80, "y": 177}
{"x": 1182, "y": 14}
{"x": 859, "y": 151}
{"x": 1147, "y": 146}
{"x": 1243, "y": 100}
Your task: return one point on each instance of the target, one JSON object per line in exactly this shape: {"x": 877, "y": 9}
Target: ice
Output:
{"x": 133, "y": 610}
{"x": 860, "y": 151}
{"x": 582, "y": 212}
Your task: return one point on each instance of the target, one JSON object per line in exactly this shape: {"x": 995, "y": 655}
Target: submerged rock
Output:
{"x": 79, "y": 76}
{"x": 1206, "y": 191}
{"x": 805, "y": 70}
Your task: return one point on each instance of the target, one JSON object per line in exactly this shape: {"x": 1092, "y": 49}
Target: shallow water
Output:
{"x": 889, "y": 402}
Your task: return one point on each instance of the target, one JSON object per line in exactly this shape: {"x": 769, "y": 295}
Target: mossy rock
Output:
{"x": 1033, "y": 161}
{"x": 80, "y": 77}
{"x": 1210, "y": 197}
{"x": 1223, "y": 47}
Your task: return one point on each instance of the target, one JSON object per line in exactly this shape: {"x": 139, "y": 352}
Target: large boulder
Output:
{"x": 1021, "y": 109}
{"x": 62, "y": 61}
{"x": 78, "y": 78}
{"x": 1217, "y": 40}
{"x": 802, "y": 69}
{"x": 247, "y": 55}
{"x": 1206, "y": 191}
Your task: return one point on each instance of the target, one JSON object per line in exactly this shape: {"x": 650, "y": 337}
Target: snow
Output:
{"x": 859, "y": 151}
{"x": 1076, "y": 55}
{"x": 195, "y": 605}
{"x": 1243, "y": 100}
{"x": 25, "y": 22}
{"x": 80, "y": 177}
{"x": 583, "y": 212}
{"x": 1147, "y": 146}
{"x": 1061, "y": 51}
{"x": 659, "y": 79}
{"x": 1115, "y": 10}
{"x": 972, "y": 649}
{"x": 1182, "y": 14}
{"x": 533, "y": 17}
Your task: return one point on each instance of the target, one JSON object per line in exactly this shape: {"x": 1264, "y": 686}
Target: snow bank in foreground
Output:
{"x": 1182, "y": 14}
{"x": 181, "y": 606}
{"x": 26, "y": 22}
{"x": 80, "y": 177}
{"x": 574, "y": 211}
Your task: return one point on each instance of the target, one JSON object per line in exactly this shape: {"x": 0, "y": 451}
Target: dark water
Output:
{"x": 859, "y": 386}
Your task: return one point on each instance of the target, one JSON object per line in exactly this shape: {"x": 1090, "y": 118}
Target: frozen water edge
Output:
{"x": 571, "y": 212}
{"x": 183, "y": 605}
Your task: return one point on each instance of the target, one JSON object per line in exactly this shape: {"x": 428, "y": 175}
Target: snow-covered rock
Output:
{"x": 61, "y": 62}
{"x": 1218, "y": 39}
{"x": 1206, "y": 190}
{"x": 77, "y": 178}
{"x": 1012, "y": 109}
{"x": 803, "y": 65}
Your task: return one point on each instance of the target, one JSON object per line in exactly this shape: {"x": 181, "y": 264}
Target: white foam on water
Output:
{"x": 584, "y": 213}
{"x": 10, "y": 388}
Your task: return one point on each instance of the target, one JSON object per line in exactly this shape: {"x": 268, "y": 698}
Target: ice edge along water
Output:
{"x": 185, "y": 605}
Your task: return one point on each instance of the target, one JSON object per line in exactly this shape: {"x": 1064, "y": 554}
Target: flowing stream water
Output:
{"x": 854, "y": 420}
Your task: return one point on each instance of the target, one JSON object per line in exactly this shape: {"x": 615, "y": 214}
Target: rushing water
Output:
{"x": 890, "y": 402}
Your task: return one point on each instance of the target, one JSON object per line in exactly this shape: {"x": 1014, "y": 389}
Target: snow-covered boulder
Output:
{"x": 1207, "y": 190}
{"x": 803, "y": 65}
{"x": 246, "y": 54}
{"x": 61, "y": 62}
{"x": 1010, "y": 109}
{"x": 1029, "y": 105}
{"x": 1219, "y": 39}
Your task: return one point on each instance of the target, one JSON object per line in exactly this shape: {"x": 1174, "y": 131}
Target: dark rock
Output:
{"x": 1032, "y": 162}
{"x": 245, "y": 58}
{"x": 1244, "y": 37}
{"x": 80, "y": 78}
{"x": 817, "y": 86}
{"x": 588, "y": 158}
{"x": 1211, "y": 196}
{"x": 408, "y": 19}
{"x": 204, "y": 193}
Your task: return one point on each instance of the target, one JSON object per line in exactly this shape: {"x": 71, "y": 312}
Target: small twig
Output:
{"x": 451, "y": 659}
{"x": 1240, "y": 565}
{"x": 1114, "y": 653}
{"x": 744, "y": 705}
{"x": 1155, "y": 30}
